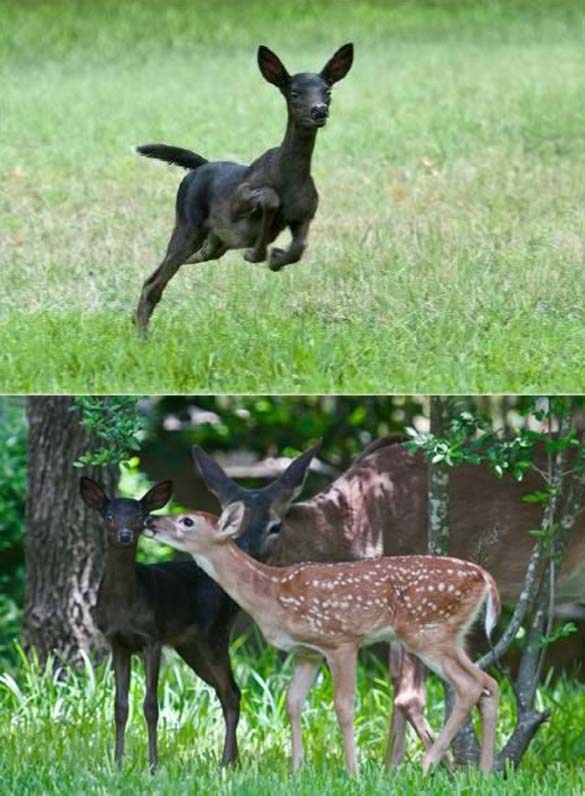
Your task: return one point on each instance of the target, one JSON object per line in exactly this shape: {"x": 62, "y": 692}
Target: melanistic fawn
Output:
{"x": 141, "y": 607}
{"x": 224, "y": 205}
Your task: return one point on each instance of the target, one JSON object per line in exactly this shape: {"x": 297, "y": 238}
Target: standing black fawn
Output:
{"x": 140, "y": 607}
{"x": 224, "y": 205}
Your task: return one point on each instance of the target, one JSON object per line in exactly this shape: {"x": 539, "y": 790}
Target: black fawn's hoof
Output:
{"x": 277, "y": 259}
{"x": 253, "y": 256}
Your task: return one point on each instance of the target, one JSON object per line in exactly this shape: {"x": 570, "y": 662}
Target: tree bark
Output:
{"x": 65, "y": 542}
{"x": 438, "y": 485}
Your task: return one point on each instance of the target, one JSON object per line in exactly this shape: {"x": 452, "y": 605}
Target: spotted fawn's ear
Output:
{"x": 272, "y": 68}
{"x": 92, "y": 494}
{"x": 158, "y": 496}
{"x": 231, "y": 522}
{"x": 338, "y": 65}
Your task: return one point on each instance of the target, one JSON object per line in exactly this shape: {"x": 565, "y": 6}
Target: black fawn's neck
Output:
{"x": 297, "y": 150}
{"x": 119, "y": 582}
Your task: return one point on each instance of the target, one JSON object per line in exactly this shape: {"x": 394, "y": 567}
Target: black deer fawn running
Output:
{"x": 223, "y": 205}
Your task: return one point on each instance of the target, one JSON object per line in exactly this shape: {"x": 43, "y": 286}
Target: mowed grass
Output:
{"x": 57, "y": 737}
{"x": 448, "y": 252}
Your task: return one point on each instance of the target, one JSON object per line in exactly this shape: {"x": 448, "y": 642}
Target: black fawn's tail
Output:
{"x": 172, "y": 154}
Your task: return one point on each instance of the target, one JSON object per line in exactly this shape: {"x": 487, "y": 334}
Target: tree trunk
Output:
{"x": 438, "y": 484}
{"x": 65, "y": 540}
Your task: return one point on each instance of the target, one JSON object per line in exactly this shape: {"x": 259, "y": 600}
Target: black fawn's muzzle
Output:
{"x": 319, "y": 113}
{"x": 125, "y": 536}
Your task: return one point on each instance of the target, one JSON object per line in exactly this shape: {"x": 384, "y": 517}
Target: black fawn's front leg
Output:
{"x": 122, "y": 677}
{"x": 281, "y": 257}
{"x": 152, "y": 669}
{"x": 266, "y": 200}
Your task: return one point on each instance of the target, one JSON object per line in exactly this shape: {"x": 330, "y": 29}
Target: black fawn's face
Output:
{"x": 308, "y": 98}
{"x": 307, "y": 94}
{"x": 124, "y": 517}
{"x": 124, "y": 521}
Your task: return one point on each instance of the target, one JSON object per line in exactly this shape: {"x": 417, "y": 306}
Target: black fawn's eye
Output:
{"x": 188, "y": 522}
{"x": 294, "y": 94}
{"x": 109, "y": 517}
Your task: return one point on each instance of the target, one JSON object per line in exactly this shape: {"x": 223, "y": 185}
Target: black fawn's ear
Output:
{"x": 339, "y": 65}
{"x": 272, "y": 68}
{"x": 222, "y": 486}
{"x": 232, "y": 521}
{"x": 92, "y": 494}
{"x": 289, "y": 485}
{"x": 157, "y": 497}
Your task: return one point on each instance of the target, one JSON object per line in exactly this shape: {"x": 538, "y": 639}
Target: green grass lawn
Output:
{"x": 448, "y": 253}
{"x": 57, "y": 738}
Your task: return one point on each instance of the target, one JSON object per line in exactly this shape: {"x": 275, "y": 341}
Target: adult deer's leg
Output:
{"x": 304, "y": 671}
{"x": 280, "y": 257}
{"x": 394, "y": 754}
{"x": 150, "y": 706}
{"x": 212, "y": 664}
{"x": 343, "y": 665}
{"x": 183, "y": 243}
{"x": 121, "y": 660}
{"x": 265, "y": 199}
{"x": 408, "y": 680}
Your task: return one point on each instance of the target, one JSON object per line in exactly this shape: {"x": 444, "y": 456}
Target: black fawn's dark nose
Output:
{"x": 125, "y": 537}
{"x": 319, "y": 112}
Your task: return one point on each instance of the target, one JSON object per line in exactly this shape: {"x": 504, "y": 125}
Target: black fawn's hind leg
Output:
{"x": 183, "y": 243}
{"x": 122, "y": 676}
{"x": 212, "y": 664}
{"x": 280, "y": 257}
{"x": 152, "y": 669}
{"x": 265, "y": 199}
{"x": 212, "y": 249}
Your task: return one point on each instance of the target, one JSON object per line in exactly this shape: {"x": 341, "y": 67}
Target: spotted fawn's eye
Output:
{"x": 188, "y": 522}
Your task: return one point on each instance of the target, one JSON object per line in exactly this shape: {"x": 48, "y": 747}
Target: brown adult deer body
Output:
{"x": 328, "y": 611}
{"x": 379, "y": 507}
